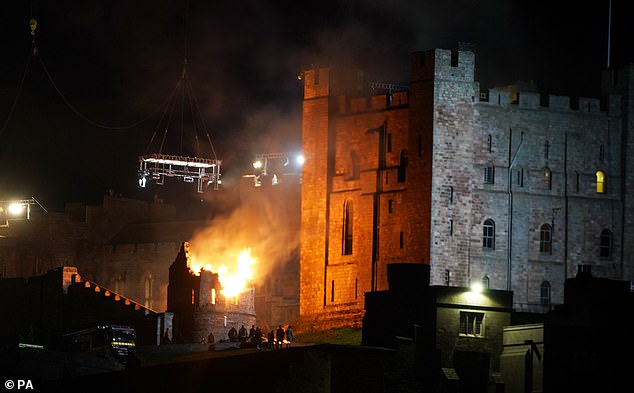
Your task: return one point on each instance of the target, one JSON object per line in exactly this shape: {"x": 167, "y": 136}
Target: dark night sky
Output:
{"x": 115, "y": 63}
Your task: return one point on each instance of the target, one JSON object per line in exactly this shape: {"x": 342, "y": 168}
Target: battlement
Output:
{"x": 533, "y": 100}
{"x": 444, "y": 64}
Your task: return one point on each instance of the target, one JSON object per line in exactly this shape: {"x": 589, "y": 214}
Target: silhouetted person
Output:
{"x": 242, "y": 334}
{"x": 271, "y": 339}
{"x": 252, "y": 334}
{"x": 233, "y": 335}
{"x": 257, "y": 337}
{"x": 211, "y": 340}
{"x": 279, "y": 335}
{"x": 289, "y": 335}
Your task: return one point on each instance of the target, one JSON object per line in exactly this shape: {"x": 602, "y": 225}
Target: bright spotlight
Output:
{"x": 476, "y": 287}
{"x": 257, "y": 164}
{"x": 16, "y": 209}
{"x": 300, "y": 160}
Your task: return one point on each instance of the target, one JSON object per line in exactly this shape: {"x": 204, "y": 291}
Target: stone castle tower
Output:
{"x": 506, "y": 187}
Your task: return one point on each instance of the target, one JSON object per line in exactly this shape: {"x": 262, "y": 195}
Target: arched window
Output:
{"x": 347, "y": 228}
{"x": 605, "y": 247}
{"x": 485, "y": 282}
{"x": 544, "y": 294}
{"x": 548, "y": 179}
{"x": 600, "y": 182}
{"x": 546, "y": 239}
{"x": 488, "y": 234}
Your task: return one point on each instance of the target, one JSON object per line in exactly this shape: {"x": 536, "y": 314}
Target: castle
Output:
{"x": 506, "y": 187}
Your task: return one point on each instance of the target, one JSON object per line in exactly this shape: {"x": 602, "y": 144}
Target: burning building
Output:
{"x": 203, "y": 302}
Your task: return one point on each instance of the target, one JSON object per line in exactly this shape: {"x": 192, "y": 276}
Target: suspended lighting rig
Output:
{"x": 156, "y": 167}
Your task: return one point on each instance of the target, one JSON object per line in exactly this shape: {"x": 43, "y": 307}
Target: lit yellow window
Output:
{"x": 600, "y": 182}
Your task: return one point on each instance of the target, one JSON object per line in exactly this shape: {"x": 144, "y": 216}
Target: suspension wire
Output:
{"x": 17, "y": 95}
{"x": 166, "y": 105}
{"x": 84, "y": 117}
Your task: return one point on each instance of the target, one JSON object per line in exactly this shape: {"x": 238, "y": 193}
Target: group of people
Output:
{"x": 280, "y": 337}
{"x": 276, "y": 338}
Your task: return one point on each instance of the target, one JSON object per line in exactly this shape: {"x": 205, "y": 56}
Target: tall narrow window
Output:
{"x": 354, "y": 166}
{"x": 547, "y": 181}
{"x": 488, "y": 234}
{"x": 471, "y": 323}
{"x": 332, "y": 290}
{"x": 546, "y": 149}
{"x": 401, "y": 240}
{"x": 577, "y": 182}
{"x": 447, "y": 277}
{"x": 520, "y": 177}
{"x": 389, "y": 143}
{"x": 605, "y": 246}
{"x": 544, "y": 294}
{"x": 347, "y": 228}
{"x": 485, "y": 282}
{"x": 402, "y": 167}
{"x": 602, "y": 152}
{"x": 489, "y": 143}
{"x": 545, "y": 239}
{"x": 600, "y": 182}
{"x": 450, "y": 194}
{"x": 213, "y": 295}
{"x": 450, "y": 227}
{"x": 489, "y": 174}
{"x": 390, "y": 206}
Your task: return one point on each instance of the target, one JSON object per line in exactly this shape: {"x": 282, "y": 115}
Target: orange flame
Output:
{"x": 235, "y": 281}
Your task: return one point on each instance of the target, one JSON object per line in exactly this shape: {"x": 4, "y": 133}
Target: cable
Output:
{"x": 84, "y": 117}
{"x": 17, "y": 96}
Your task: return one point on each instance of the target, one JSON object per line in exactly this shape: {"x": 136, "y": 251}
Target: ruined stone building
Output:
{"x": 507, "y": 187}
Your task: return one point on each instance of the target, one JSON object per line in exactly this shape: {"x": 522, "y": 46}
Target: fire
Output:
{"x": 235, "y": 281}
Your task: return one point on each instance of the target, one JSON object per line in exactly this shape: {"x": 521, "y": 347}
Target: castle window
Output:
{"x": 544, "y": 294}
{"x": 401, "y": 240}
{"x": 451, "y": 227}
{"x": 577, "y": 182}
{"x": 447, "y": 277}
{"x": 488, "y": 234}
{"x": 356, "y": 288}
{"x": 471, "y": 323}
{"x": 600, "y": 182}
{"x": 602, "y": 152}
{"x": 213, "y": 295}
{"x": 546, "y": 149}
{"x": 605, "y": 245}
{"x": 353, "y": 165}
{"x": 520, "y": 177}
{"x": 450, "y": 194}
{"x": 489, "y": 143}
{"x": 390, "y": 206}
{"x": 347, "y": 228}
{"x": 489, "y": 174}
{"x": 389, "y": 142}
{"x": 485, "y": 282}
{"x": 332, "y": 290}
{"x": 545, "y": 239}
{"x": 547, "y": 180}
{"x": 402, "y": 167}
